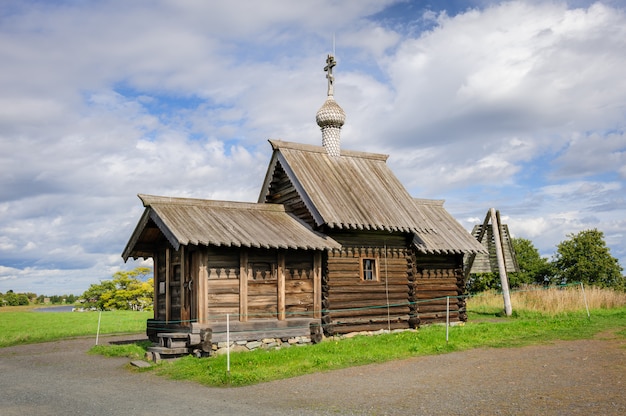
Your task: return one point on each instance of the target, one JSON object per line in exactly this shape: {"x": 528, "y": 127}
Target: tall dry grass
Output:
{"x": 551, "y": 301}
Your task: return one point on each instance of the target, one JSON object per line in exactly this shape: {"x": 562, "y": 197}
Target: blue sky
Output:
{"x": 518, "y": 106}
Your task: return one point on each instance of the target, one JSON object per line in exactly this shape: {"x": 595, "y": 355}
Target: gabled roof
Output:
{"x": 187, "y": 221}
{"x": 353, "y": 191}
{"x": 357, "y": 190}
{"x": 449, "y": 236}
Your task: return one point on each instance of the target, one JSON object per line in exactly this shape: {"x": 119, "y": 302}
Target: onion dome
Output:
{"x": 330, "y": 114}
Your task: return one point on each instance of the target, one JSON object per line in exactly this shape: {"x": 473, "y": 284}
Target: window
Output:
{"x": 369, "y": 269}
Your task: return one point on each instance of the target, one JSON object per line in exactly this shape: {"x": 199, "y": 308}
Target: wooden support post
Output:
{"x": 155, "y": 285}
{"x": 317, "y": 285}
{"x": 203, "y": 281}
{"x": 280, "y": 305}
{"x": 495, "y": 224}
{"x": 184, "y": 308}
{"x": 243, "y": 285}
{"x": 168, "y": 293}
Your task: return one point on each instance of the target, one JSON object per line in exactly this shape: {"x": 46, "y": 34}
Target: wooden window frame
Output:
{"x": 375, "y": 270}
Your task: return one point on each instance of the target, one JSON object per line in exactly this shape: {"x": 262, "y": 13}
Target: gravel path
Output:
{"x": 565, "y": 378}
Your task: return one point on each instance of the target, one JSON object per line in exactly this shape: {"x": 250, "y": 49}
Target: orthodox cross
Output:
{"x": 330, "y": 63}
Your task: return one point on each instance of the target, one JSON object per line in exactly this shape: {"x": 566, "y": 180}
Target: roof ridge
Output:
{"x": 280, "y": 144}
{"x": 149, "y": 200}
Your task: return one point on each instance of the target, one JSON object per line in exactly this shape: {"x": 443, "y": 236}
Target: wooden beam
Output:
{"x": 243, "y": 285}
{"x": 184, "y": 308}
{"x": 155, "y": 288}
{"x": 202, "y": 293}
{"x": 317, "y": 285}
{"x": 168, "y": 276}
{"x": 501, "y": 265}
{"x": 280, "y": 302}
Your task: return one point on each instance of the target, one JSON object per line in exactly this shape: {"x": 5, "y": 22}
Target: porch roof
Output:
{"x": 187, "y": 221}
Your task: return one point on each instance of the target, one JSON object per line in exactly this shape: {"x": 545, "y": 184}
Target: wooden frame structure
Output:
{"x": 297, "y": 254}
{"x": 500, "y": 254}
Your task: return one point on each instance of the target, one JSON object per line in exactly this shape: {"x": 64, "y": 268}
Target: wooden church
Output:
{"x": 335, "y": 243}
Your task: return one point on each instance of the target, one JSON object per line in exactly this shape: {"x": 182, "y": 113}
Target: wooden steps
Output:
{"x": 171, "y": 345}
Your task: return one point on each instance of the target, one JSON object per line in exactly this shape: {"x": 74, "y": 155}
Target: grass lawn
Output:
{"x": 24, "y": 325}
{"x": 490, "y": 332}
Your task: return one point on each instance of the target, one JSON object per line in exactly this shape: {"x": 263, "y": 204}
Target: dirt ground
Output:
{"x": 563, "y": 378}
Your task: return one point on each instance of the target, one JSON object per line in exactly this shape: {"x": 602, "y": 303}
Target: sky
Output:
{"x": 519, "y": 106}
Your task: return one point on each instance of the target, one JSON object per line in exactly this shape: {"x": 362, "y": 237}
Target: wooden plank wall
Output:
{"x": 299, "y": 282}
{"x": 282, "y": 191}
{"x": 262, "y": 284}
{"x": 437, "y": 277}
{"x": 223, "y": 283}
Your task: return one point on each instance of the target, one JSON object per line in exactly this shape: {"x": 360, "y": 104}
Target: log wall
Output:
{"x": 410, "y": 288}
{"x": 435, "y": 279}
{"x": 353, "y": 304}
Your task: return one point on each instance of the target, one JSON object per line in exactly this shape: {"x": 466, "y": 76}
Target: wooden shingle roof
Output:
{"x": 354, "y": 191}
{"x": 187, "y": 221}
{"x": 448, "y": 237}
{"x": 358, "y": 191}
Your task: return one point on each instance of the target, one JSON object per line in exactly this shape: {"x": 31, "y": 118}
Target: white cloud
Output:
{"x": 532, "y": 71}
{"x": 602, "y": 153}
{"x": 517, "y": 105}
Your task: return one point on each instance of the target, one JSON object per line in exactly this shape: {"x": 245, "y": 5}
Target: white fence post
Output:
{"x": 585, "y": 299}
{"x": 447, "y": 317}
{"x": 98, "y": 331}
{"x": 228, "y": 344}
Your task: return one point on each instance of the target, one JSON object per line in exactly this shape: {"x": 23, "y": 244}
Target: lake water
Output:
{"x": 62, "y": 308}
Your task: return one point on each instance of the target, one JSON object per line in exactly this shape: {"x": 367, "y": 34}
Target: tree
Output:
{"x": 93, "y": 295}
{"x": 533, "y": 267}
{"x": 127, "y": 291}
{"x": 15, "y": 299}
{"x": 480, "y": 282}
{"x": 586, "y": 258}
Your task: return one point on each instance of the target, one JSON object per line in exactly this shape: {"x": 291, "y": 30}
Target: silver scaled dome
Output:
{"x": 330, "y": 114}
